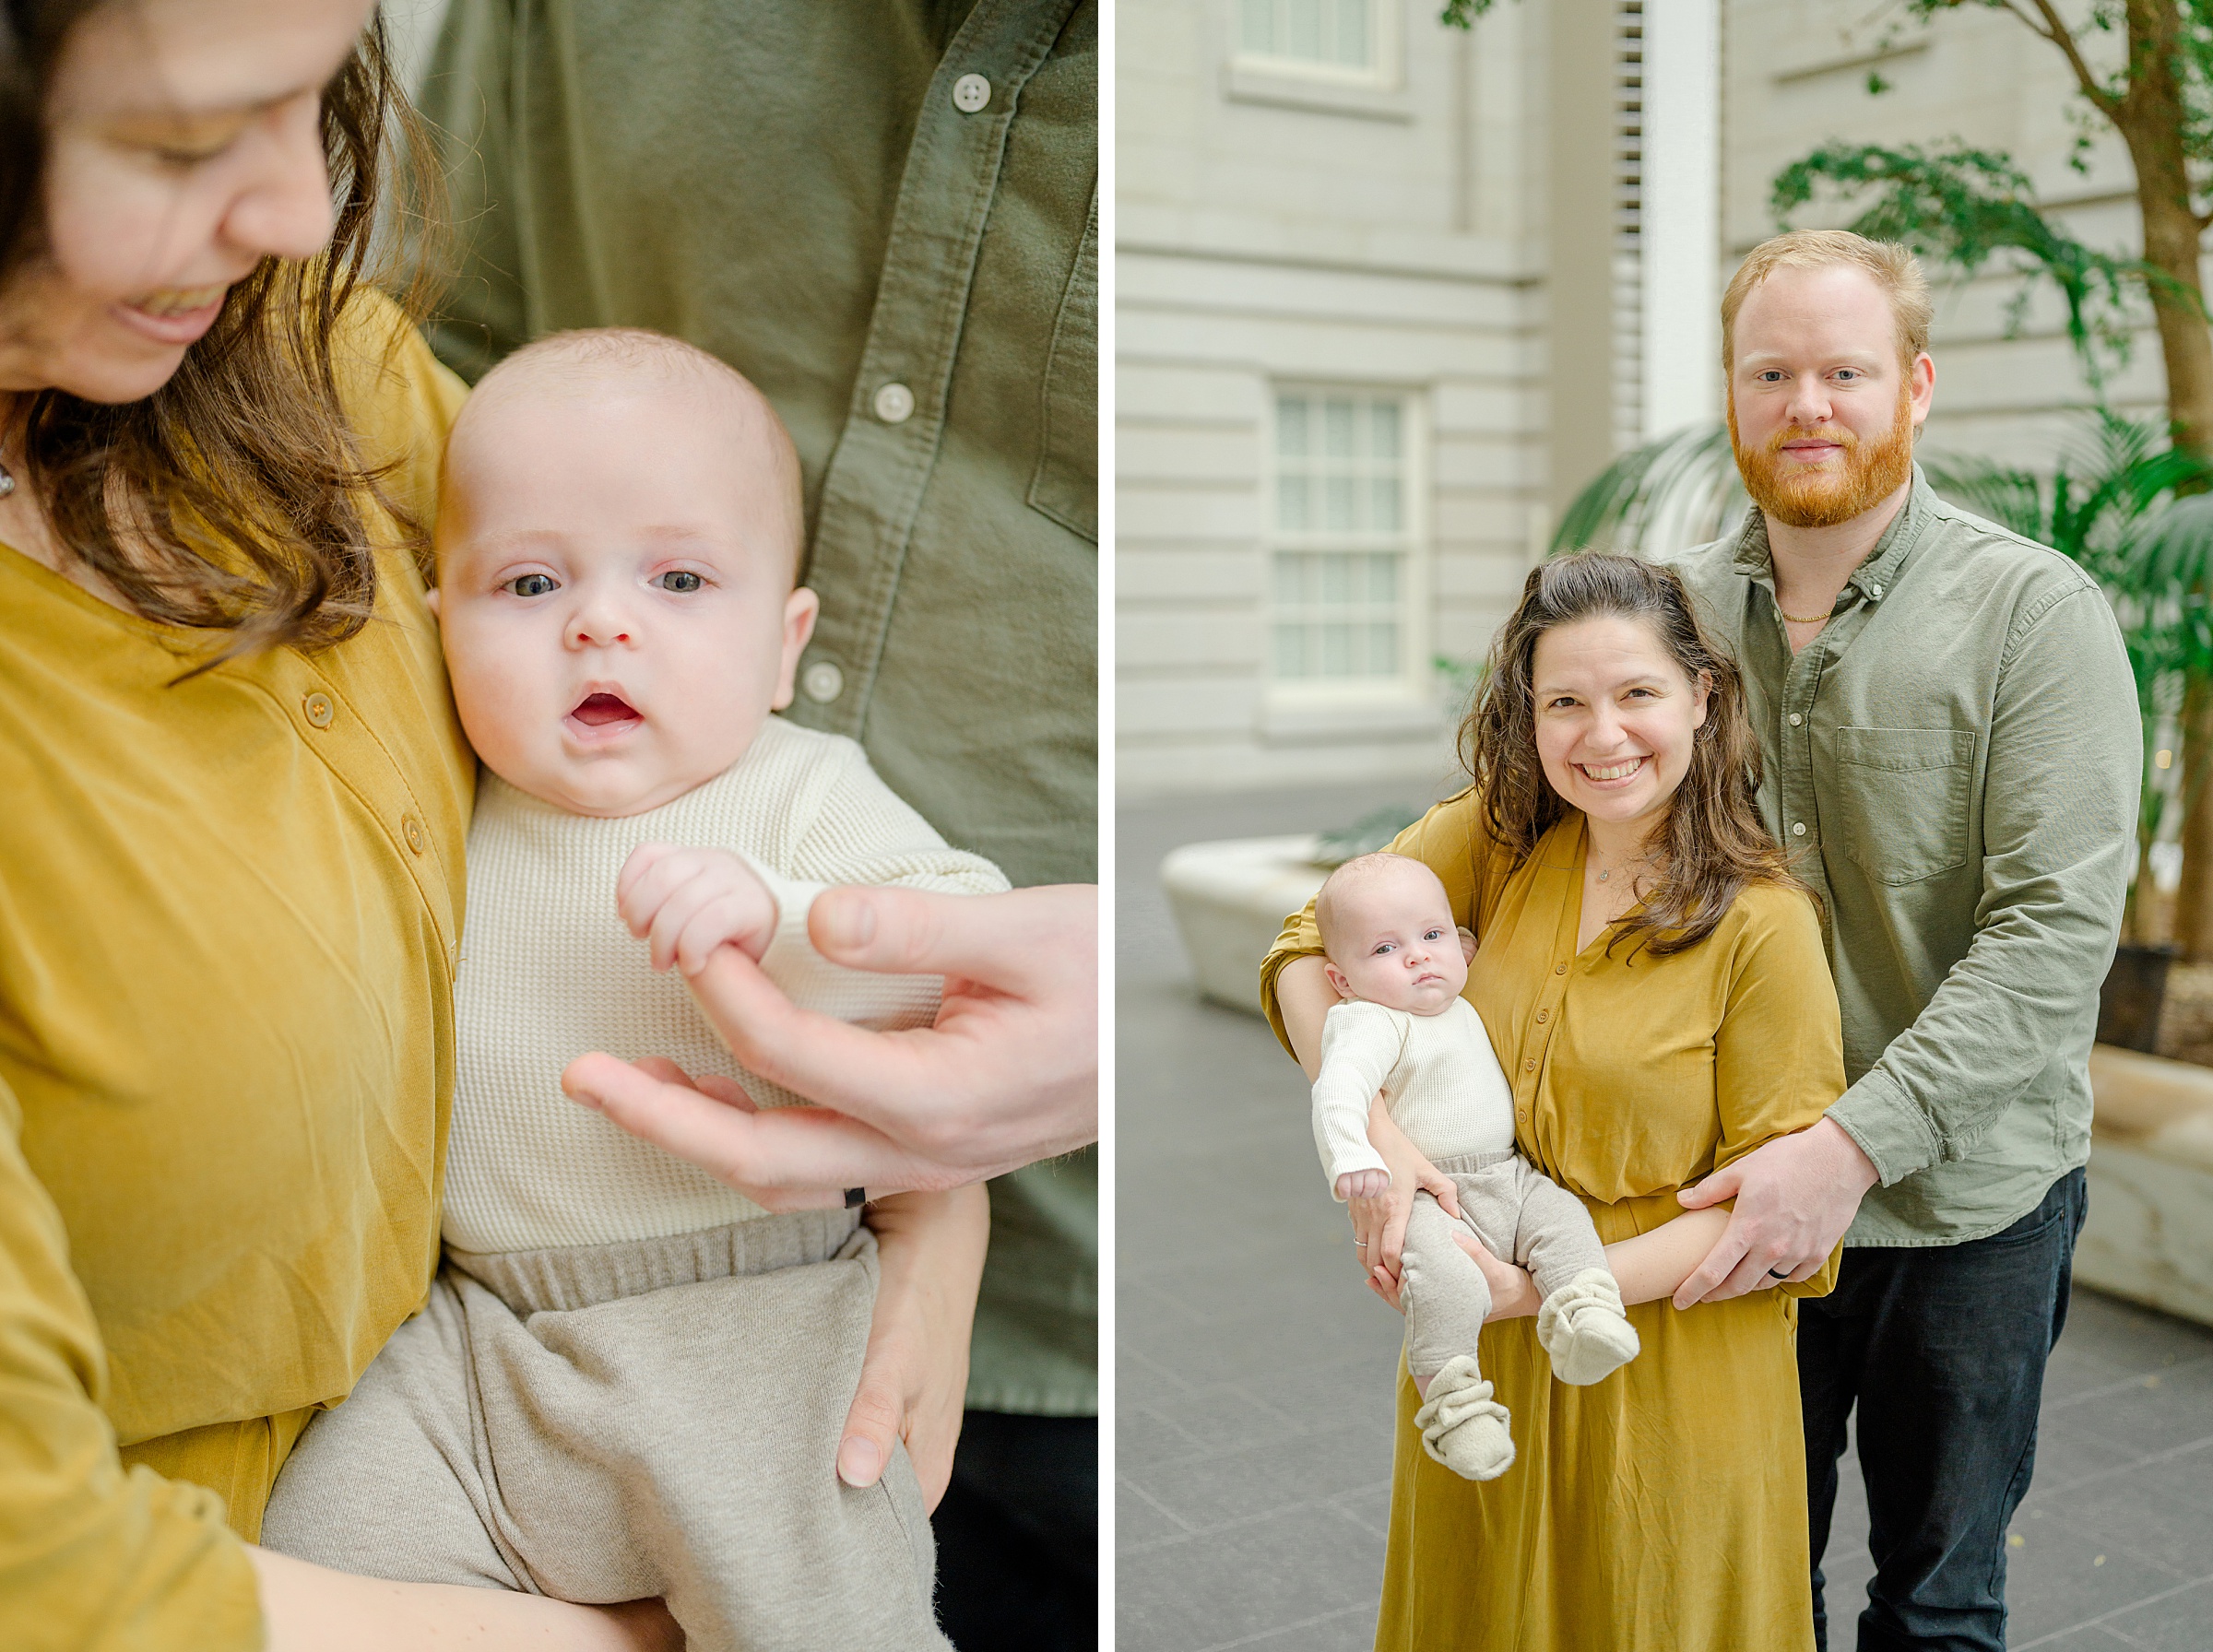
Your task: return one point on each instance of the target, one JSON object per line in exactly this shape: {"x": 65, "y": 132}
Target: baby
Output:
{"x": 630, "y": 1380}
{"x": 1398, "y": 963}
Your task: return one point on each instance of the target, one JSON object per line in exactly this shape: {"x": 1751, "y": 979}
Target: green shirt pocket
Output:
{"x": 1066, "y": 485}
{"x": 1904, "y": 799}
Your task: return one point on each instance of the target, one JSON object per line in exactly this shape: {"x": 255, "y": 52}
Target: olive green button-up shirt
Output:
{"x": 885, "y": 213}
{"x": 1954, "y": 762}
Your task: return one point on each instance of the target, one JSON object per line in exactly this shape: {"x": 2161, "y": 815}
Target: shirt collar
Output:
{"x": 1756, "y": 560}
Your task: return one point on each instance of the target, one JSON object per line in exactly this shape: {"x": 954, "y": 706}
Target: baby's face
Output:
{"x": 614, "y": 593}
{"x": 1394, "y": 942}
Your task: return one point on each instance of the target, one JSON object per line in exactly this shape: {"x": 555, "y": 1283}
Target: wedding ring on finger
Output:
{"x": 1779, "y": 1273}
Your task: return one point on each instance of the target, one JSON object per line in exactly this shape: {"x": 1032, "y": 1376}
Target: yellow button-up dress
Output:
{"x": 228, "y": 913}
{"x": 1663, "y": 1509}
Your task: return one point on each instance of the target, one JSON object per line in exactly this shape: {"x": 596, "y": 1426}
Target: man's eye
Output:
{"x": 532, "y": 584}
{"x": 680, "y": 580}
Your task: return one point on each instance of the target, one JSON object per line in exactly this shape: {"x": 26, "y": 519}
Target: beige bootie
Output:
{"x": 1463, "y": 1427}
{"x": 1584, "y": 1329}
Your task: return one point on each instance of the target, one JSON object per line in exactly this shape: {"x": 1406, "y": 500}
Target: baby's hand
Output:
{"x": 689, "y": 901}
{"x": 1362, "y": 1183}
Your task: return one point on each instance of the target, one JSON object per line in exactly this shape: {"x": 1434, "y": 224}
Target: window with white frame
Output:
{"x": 1343, "y": 518}
{"x": 1332, "y": 38}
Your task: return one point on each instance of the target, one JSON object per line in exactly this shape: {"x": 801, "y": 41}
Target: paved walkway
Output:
{"x": 1256, "y": 1376}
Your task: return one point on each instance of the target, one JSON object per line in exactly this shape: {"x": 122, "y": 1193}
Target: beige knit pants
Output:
{"x": 610, "y": 1422}
{"x": 1521, "y": 1215}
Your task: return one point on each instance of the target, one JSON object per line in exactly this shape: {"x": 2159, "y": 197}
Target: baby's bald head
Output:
{"x": 591, "y": 365}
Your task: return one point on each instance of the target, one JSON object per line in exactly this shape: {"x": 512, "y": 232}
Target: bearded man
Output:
{"x": 1952, "y": 751}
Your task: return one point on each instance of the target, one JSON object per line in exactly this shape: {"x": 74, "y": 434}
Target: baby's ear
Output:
{"x": 1467, "y": 943}
{"x": 1337, "y": 980}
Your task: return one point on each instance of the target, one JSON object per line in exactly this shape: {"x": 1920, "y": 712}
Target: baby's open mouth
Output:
{"x": 604, "y": 711}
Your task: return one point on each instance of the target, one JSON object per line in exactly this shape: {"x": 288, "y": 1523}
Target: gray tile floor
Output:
{"x": 1255, "y": 1385}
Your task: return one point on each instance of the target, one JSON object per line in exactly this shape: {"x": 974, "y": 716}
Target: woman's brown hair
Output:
{"x": 230, "y": 499}
{"x": 1712, "y": 843}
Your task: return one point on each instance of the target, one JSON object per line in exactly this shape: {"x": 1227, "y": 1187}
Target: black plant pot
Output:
{"x": 2129, "y": 1002}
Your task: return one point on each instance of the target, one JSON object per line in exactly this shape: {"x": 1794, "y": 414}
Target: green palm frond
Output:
{"x": 1665, "y": 496}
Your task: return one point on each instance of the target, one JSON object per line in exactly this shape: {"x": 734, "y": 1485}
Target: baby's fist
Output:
{"x": 1362, "y": 1183}
{"x": 686, "y": 903}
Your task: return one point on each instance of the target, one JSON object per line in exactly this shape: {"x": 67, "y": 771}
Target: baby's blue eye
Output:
{"x": 532, "y": 584}
{"x": 680, "y": 580}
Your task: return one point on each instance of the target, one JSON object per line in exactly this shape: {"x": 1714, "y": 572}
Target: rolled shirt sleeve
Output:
{"x": 2055, "y": 878}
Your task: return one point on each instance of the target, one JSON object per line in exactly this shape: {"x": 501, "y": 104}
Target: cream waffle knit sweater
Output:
{"x": 1440, "y": 1080}
{"x": 549, "y": 972}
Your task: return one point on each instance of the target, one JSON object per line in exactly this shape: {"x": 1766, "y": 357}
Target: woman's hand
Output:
{"x": 1007, "y": 1075}
{"x": 1379, "y": 1222}
{"x": 931, "y": 1260}
{"x": 308, "y": 1608}
{"x": 1513, "y": 1292}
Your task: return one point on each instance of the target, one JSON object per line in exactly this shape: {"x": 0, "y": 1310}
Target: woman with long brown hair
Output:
{"x": 230, "y": 855}
{"x": 1654, "y": 982}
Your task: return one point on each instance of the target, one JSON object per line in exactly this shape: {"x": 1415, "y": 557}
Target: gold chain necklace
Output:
{"x": 1817, "y": 620}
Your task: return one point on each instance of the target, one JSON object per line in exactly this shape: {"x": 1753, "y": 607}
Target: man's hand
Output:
{"x": 1008, "y": 1075}
{"x": 686, "y": 903}
{"x": 914, "y": 1382}
{"x": 1794, "y": 1196}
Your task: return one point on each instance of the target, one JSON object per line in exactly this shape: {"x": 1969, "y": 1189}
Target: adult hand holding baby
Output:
{"x": 1006, "y": 1076}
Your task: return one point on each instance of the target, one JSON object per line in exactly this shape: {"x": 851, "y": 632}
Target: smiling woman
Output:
{"x": 202, "y": 191}
{"x": 1653, "y": 984}
{"x": 229, "y": 862}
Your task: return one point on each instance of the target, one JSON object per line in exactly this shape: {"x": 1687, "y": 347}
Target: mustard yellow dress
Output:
{"x": 228, "y": 915}
{"x": 1663, "y": 1509}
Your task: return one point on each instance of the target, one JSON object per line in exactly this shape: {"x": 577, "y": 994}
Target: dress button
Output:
{"x": 823, "y": 683}
{"x": 1530, "y": 1065}
{"x": 1795, "y": 719}
{"x": 971, "y": 93}
{"x": 411, "y": 829}
{"x": 319, "y": 710}
{"x": 1559, "y": 969}
{"x": 1797, "y": 827}
{"x": 1543, "y": 1016}
{"x": 895, "y": 403}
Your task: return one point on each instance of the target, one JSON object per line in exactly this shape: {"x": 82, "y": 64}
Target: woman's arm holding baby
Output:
{"x": 1647, "y": 1267}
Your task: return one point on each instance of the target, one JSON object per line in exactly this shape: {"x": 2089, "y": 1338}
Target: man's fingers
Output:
{"x": 911, "y": 932}
{"x": 1721, "y": 1185}
{"x": 826, "y": 1060}
{"x": 728, "y": 1091}
{"x": 1724, "y": 1257}
{"x": 784, "y": 1159}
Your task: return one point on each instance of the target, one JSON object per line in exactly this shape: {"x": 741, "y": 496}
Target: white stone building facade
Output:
{"x": 1391, "y": 293}
{"x": 1338, "y": 443}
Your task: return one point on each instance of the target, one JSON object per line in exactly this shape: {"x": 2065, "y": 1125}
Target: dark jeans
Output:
{"x": 1944, "y": 1351}
{"x": 1018, "y": 1535}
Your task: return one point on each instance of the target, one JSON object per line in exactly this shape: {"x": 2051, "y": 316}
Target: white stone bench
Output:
{"x": 1230, "y": 899}
{"x": 2149, "y": 1237}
